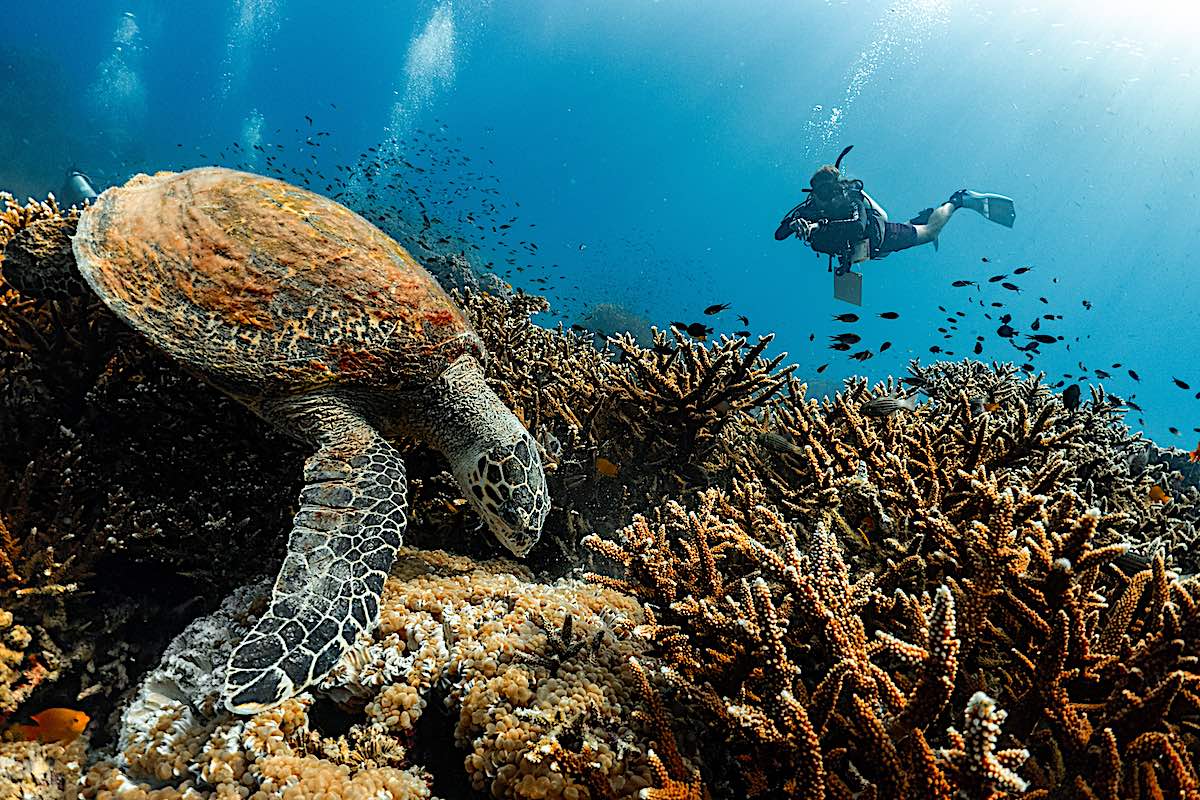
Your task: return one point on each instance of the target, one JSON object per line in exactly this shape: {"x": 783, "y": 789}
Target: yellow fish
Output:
{"x": 1158, "y": 495}
{"x": 606, "y": 467}
{"x": 54, "y": 725}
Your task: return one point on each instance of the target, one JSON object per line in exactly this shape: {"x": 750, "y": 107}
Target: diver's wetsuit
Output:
{"x": 886, "y": 237}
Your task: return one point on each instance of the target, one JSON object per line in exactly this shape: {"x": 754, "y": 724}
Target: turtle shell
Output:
{"x": 266, "y": 287}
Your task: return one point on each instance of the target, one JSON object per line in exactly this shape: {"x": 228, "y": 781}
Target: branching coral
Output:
{"x": 978, "y": 564}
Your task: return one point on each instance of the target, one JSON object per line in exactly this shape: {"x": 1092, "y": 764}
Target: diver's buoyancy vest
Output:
{"x": 840, "y": 228}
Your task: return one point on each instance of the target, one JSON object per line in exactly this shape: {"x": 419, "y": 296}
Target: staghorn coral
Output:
{"x": 983, "y": 552}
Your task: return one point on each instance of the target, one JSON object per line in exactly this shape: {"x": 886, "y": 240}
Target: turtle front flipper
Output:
{"x": 343, "y": 542}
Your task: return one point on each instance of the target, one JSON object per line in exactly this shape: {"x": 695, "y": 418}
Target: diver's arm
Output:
{"x": 787, "y": 226}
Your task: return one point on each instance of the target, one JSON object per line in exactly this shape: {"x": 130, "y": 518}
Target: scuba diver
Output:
{"x": 840, "y": 219}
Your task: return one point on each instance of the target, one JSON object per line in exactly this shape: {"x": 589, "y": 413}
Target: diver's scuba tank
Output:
{"x": 77, "y": 189}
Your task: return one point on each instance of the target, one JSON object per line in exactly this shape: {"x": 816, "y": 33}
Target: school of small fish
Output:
{"x": 429, "y": 193}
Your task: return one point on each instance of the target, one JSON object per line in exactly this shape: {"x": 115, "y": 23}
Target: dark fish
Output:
{"x": 1101, "y": 374}
{"x": 1070, "y": 397}
{"x": 812, "y": 336}
{"x": 978, "y": 348}
{"x": 985, "y": 260}
{"x": 849, "y": 338}
{"x": 821, "y": 368}
{"x": 307, "y": 117}
{"x": 1181, "y": 384}
{"x": 1174, "y": 430}
{"x": 1036, "y": 324}
{"x": 996, "y": 278}
{"x": 884, "y": 346}
{"x": 716, "y": 309}
{"x": 1044, "y": 338}
{"x": 846, "y": 318}
{"x": 1006, "y": 332}
{"x": 1007, "y": 318}
{"x": 1012, "y": 287}
{"x": 935, "y": 349}
{"x": 1087, "y": 304}
{"x": 697, "y": 330}
{"x": 663, "y": 349}
{"x": 744, "y": 320}
{"x": 862, "y": 355}
{"x": 961, "y": 284}
{"x": 889, "y": 315}
{"x": 888, "y": 405}
{"x": 1134, "y": 375}
{"x": 744, "y": 334}
{"x": 779, "y": 443}
{"x": 1021, "y": 270}
{"x": 840, "y": 346}
{"x": 1044, "y": 300}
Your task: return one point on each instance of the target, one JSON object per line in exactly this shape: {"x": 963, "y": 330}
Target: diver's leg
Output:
{"x": 933, "y": 226}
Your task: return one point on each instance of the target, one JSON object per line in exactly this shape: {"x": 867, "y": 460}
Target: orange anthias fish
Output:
{"x": 1194, "y": 456}
{"x": 606, "y": 467}
{"x": 54, "y": 725}
{"x": 1158, "y": 495}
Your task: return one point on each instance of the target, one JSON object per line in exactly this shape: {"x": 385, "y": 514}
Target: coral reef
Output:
{"x": 786, "y": 596}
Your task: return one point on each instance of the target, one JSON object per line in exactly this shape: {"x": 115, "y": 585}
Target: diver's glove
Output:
{"x": 803, "y": 228}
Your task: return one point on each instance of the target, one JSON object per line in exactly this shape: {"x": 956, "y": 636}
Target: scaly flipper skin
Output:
{"x": 343, "y": 542}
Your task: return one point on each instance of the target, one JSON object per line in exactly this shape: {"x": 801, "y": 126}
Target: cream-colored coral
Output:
{"x": 537, "y": 676}
{"x": 18, "y": 674}
{"x": 34, "y": 771}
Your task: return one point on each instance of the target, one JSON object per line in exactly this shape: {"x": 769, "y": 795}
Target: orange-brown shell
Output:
{"x": 267, "y": 287}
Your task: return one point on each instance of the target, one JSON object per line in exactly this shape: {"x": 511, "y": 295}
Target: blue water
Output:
{"x": 668, "y": 138}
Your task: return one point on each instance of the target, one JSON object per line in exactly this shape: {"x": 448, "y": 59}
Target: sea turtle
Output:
{"x": 320, "y": 323}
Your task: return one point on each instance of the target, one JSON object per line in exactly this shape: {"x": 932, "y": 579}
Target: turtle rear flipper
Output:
{"x": 343, "y": 542}
{"x": 39, "y": 263}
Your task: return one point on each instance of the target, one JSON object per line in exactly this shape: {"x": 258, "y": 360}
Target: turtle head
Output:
{"x": 506, "y": 485}
{"x": 494, "y": 459}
